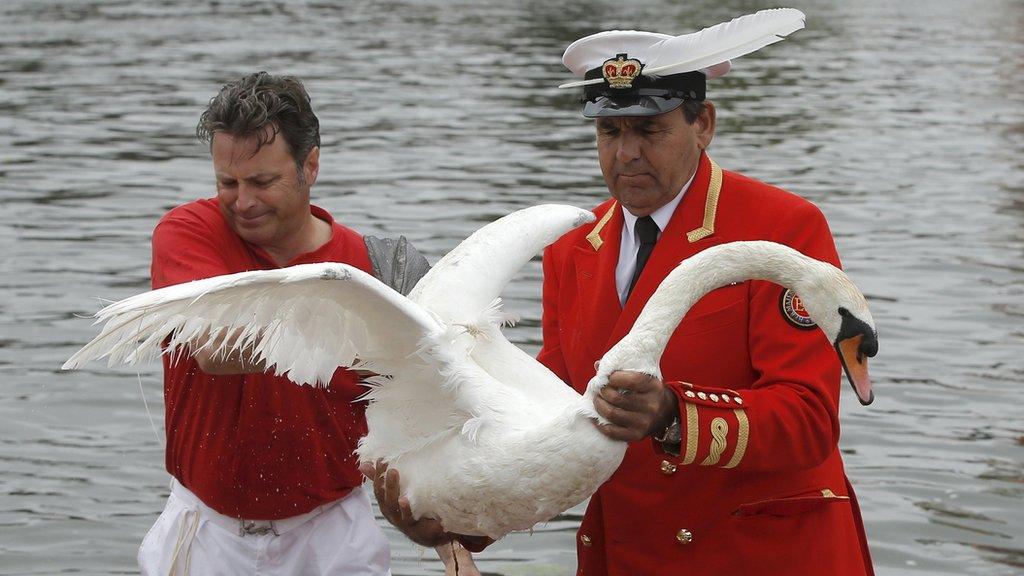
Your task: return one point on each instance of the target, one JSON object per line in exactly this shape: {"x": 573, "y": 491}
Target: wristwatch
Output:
{"x": 670, "y": 439}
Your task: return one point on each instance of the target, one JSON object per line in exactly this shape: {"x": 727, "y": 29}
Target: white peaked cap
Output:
{"x": 709, "y": 50}
{"x": 591, "y": 51}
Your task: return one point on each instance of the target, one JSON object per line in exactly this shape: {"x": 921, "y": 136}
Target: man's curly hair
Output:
{"x": 262, "y": 106}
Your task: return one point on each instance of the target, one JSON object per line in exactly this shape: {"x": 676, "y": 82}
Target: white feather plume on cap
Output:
{"x": 708, "y": 50}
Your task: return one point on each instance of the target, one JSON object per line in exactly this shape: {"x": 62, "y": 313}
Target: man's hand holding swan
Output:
{"x": 636, "y": 406}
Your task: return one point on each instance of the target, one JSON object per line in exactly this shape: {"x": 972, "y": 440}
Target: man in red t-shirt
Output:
{"x": 264, "y": 472}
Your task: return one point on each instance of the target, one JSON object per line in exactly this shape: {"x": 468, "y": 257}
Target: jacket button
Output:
{"x": 684, "y": 536}
{"x": 585, "y": 540}
{"x": 667, "y": 468}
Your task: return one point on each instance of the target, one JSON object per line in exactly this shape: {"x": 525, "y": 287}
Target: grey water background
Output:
{"x": 903, "y": 121}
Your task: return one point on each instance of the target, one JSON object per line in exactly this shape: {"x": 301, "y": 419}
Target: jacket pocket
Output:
{"x": 791, "y": 505}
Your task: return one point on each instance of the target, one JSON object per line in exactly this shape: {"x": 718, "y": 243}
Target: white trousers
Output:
{"x": 341, "y": 538}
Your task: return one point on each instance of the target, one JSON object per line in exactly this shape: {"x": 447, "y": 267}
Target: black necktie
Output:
{"x": 647, "y": 230}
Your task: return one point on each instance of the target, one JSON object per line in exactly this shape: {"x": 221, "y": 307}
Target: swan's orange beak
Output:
{"x": 853, "y": 353}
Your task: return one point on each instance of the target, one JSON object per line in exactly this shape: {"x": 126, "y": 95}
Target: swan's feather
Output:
{"x": 516, "y": 370}
{"x": 469, "y": 278}
{"x": 472, "y": 428}
{"x": 305, "y": 321}
{"x": 470, "y": 421}
{"x": 724, "y": 41}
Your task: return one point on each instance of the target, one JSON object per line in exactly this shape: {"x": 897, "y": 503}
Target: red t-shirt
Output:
{"x": 254, "y": 446}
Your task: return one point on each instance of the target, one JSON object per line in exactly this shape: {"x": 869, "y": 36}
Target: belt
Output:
{"x": 246, "y": 527}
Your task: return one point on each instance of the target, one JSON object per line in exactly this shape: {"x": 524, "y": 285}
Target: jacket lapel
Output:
{"x": 689, "y": 231}
{"x": 595, "y": 260}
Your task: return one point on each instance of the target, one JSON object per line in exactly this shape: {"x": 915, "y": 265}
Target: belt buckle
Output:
{"x": 252, "y": 528}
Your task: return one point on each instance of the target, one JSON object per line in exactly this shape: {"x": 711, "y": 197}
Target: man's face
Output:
{"x": 647, "y": 159}
{"x": 260, "y": 194}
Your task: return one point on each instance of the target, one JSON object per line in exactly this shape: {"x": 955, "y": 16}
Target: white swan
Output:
{"x": 485, "y": 438}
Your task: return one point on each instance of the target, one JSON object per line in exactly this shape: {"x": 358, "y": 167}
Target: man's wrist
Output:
{"x": 669, "y": 412}
{"x": 669, "y": 434}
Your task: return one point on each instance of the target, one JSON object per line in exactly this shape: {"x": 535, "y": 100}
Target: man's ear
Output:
{"x": 705, "y": 125}
{"x": 311, "y": 167}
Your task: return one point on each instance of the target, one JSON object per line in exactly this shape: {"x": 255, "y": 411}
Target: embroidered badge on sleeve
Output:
{"x": 794, "y": 312}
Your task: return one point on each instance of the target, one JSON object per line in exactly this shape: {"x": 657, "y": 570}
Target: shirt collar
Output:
{"x": 662, "y": 215}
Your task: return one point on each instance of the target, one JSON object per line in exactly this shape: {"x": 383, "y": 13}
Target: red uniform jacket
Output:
{"x": 759, "y": 485}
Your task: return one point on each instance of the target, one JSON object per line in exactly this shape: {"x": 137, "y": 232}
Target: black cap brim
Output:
{"x": 633, "y": 105}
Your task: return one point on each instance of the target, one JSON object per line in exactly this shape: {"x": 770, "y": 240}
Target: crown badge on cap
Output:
{"x": 620, "y": 71}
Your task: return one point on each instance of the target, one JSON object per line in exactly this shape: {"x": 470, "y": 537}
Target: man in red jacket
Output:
{"x": 733, "y": 464}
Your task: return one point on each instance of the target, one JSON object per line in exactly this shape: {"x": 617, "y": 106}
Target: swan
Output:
{"x": 485, "y": 438}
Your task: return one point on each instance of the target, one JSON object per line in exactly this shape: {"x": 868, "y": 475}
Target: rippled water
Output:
{"x": 903, "y": 121}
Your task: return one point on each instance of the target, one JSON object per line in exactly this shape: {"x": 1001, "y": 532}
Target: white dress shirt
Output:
{"x": 630, "y": 244}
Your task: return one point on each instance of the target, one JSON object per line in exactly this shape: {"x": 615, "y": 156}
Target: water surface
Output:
{"x": 903, "y": 121}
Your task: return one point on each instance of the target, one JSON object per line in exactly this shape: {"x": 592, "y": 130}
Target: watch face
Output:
{"x": 671, "y": 434}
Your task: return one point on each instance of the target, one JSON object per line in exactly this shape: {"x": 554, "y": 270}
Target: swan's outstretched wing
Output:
{"x": 467, "y": 280}
{"x": 305, "y": 320}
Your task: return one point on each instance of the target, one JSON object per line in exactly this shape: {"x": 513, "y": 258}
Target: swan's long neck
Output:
{"x": 713, "y": 268}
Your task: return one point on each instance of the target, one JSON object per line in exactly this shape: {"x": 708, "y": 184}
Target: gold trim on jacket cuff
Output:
{"x": 691, "y": 433}
{"x": 742, "y": 437}
{"x": 719, "y": 442}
